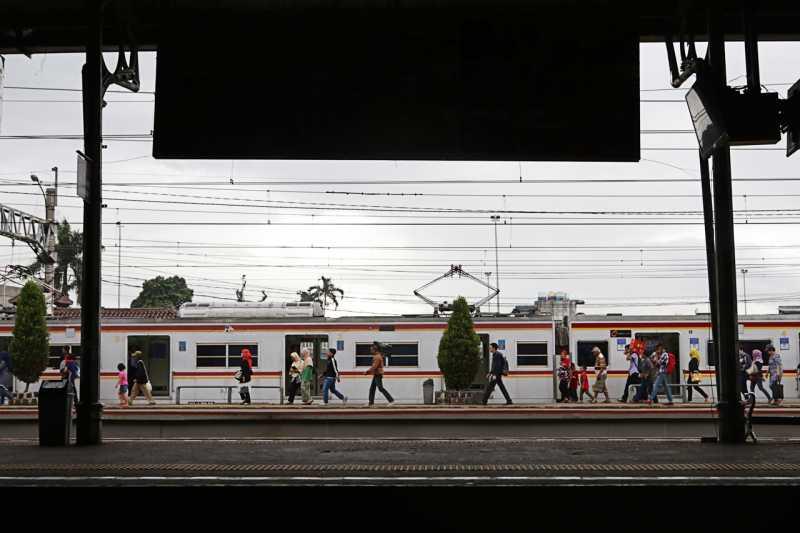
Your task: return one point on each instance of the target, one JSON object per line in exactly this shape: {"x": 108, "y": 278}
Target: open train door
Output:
{"x": 672, "y": 344}
{"x": 318, "y": 345}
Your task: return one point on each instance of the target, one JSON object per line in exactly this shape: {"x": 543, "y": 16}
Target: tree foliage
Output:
{"x": 322, "y": 293}
{"x": 459, "y": 349}
{"x": 69, "y": 260}
{"x": 163, "y": 292}
{"x": 30, "y": 341}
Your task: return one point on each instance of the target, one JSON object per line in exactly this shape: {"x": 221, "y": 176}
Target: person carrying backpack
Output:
{"x": 663, "y": 375}
{"x": 646, "y": 376}
{"x": 495, "y": 376}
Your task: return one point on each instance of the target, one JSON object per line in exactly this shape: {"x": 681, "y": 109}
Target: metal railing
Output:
{"x": 229, "y": 387}
{"x": 634, "y": 389}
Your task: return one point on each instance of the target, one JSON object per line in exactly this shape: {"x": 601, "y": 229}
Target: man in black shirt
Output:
{"x": 332, "y": 378}
{"x": 496, "y": 374}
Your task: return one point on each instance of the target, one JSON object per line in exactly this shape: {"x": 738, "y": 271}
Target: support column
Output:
{"x": 89, "y": 409}
{"x": 711, "y": 252}
{"x": 731, "y": 414}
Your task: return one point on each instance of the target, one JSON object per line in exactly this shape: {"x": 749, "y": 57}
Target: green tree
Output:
{"x": 30, "y": 342}
{"x": 69, "y": 260}
{"x": 322, "y": 293}
{"x": 459, "y": 349}
{"x": 163, "y": 292}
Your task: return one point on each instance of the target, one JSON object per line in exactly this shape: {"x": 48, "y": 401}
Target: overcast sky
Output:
{"x": 644, "y": 269}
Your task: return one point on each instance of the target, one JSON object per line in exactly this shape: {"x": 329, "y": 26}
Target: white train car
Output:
{"x": 194, "y": 351}
{"x": 679, "y": 334}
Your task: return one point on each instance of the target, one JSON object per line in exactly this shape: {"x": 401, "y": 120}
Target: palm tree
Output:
{"x": 69, "y": 250}
{"x": 322, "y": 293}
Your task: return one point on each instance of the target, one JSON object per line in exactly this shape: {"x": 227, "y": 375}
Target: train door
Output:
{"x": 155, "y": 354}
{"x": 672, "y": 344}
{"x": 479, "y": 382}
{"x": 749, "y": 345}
{"x": 318, "y": 345}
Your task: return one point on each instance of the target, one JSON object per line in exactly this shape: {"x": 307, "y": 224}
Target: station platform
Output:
{"x": 613, "y": 420}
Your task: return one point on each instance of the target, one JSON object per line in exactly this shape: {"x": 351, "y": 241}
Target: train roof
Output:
{"x": 168, "y": 315}
{"x": 700, "y": 317}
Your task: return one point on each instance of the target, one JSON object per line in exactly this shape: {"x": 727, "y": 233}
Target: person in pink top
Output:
{"x": 122, "y": 385}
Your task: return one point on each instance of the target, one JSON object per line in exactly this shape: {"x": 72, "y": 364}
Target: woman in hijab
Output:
{"x": 246, "y": 371}
{"x": 756, "y": 375}
{"x": 294, "y": 375}
{"x": 694, "y": 374}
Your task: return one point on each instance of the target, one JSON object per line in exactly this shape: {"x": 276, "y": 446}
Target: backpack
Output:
{"x": 671, "y": 363}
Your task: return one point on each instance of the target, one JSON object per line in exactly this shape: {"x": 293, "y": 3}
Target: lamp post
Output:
{"x": 50, "y": 201}
{"x": 744, "y": 272}
{"x": 495, "y": 219}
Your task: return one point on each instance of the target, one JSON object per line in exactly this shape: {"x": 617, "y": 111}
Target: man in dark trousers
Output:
{"x": 495, "y": 376}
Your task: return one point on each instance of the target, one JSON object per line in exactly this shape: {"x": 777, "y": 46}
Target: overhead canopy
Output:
{"x": 401, "y": 79}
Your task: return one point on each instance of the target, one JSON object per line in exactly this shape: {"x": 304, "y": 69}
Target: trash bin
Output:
{"x": 427, "y": 391}
{"x": 55, "y": 413}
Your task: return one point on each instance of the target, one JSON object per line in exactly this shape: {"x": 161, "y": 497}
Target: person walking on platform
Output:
{"x": 377, "y": 375}
{"x": 756, "y": 374}
{"x": 245, "y": 375}
{"x": 633, "y": 371}
{"x": 563, "y": 379}
{"x": 332, "y": 378}
{"x": 601, "y": 375}
{"x": 295, "y": 370}
{"x": 583, "y": 376}
{"x": 646, "y": 376}
{"x": 694, "y": 374}
{"x": 573, "y": 381}
{"x": 141, "y": 381}
{"x": 496, "y": 373}
{"x": 307, "y": 376}
{"x": 775, "y": 375}
{"x": 122, "y": 385}
{"x": 744, "y": 364}
{"x": 6, "y": 378}
{"x": 662, "y": 378}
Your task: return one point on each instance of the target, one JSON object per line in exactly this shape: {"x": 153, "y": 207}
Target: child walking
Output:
{"x": 122, "y": 385}
{"x": 584, "y": 378}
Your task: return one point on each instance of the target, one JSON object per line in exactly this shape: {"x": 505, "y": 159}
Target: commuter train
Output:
{"x": 199, "y": 345}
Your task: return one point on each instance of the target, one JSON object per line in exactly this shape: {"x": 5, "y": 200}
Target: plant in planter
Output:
{"x": 30, "y": 342}
{"x": 459, "y": 353}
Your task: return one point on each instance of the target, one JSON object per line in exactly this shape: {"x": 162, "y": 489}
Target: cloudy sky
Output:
{"x": 632, "y": 268}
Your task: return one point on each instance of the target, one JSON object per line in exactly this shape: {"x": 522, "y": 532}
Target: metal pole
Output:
{"x": 711, "y": 253}
{"x": 89, "y": 409}
{"x": 731, "y": 415}
{"x": 119, "y": 261}
{"x": 744, "y": 287}
{"x": 50, "y": 216}
{"x": 495, "y": 218}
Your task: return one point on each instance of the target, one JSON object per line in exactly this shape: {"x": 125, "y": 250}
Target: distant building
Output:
{"x": 8, "y": 292}
{"x": 556, "y": 305}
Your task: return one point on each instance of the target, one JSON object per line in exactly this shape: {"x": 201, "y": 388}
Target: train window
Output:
{"x": 585, "y": 357}
{"x": 711, "y": 354}
{"x": 401, "y": 354}
{"x": 57, "y": 354}
{"x": 363, "y": 356}
{"x": 235, "y": 354}
{"x": 211, "y": 355}
{"x": 404, "y": 354}
{"x": 531, "y": 353}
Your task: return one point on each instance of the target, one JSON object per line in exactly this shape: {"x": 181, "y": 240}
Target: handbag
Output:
{"x": 238, "y": 376}
{"x": 149, "y": 387}
{"x": 694, "y": 377}
{"x": 752, "y": 370}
